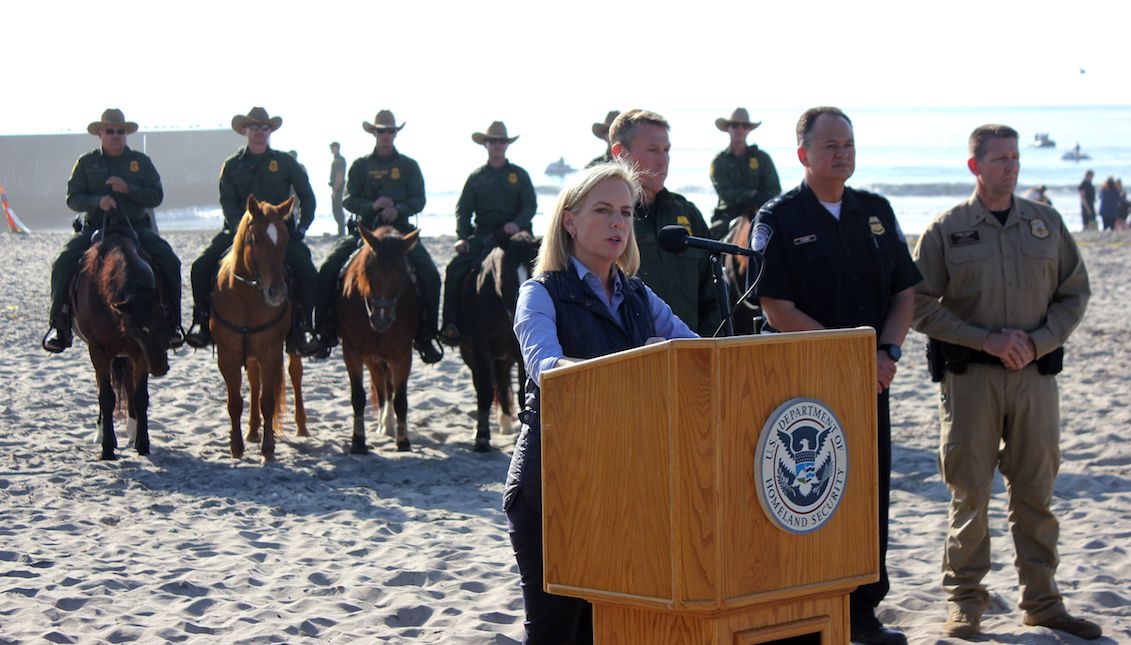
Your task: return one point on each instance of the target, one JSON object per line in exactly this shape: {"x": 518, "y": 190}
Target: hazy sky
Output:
{"x": 458, "y": 65}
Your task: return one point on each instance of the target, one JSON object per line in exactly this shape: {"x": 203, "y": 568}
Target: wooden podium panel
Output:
{"x": 649, "y": 498}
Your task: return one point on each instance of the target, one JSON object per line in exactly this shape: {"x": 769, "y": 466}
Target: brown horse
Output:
{"x": 736, "y": 268}
{"x": 377, "y": 314}
{"x": 487, "y": 344}
{"x": 250, "y": 318}
{"x": 118, "y": 312}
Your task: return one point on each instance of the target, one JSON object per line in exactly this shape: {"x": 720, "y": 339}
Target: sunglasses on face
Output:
{"x": 115, "y": 131}
{"x": 739, "y": 126}
{"x": 498, "y": 141}
{"x": 259, "y": 127}
{"x": 384, "y": 130}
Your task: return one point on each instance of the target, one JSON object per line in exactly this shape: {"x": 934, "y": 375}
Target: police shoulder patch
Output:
{"x": 760, "y": 237}
{"x": 683, "y": 221}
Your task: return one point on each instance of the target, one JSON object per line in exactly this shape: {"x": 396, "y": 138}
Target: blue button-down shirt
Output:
{"x": 536, "y": 326}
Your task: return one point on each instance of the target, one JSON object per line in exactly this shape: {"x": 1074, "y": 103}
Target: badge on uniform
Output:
{"x": 684, "y": 222}
{"x": 875, "y": 225}
{"x": 760, "y": 238}
{"x": 1038, "y": 229}
{"x": 396, "y": 174}
{"x": 753, "y": 163}
{"x": 965, "y": 238}
{"x": 804, "y": 239}
{"x": 273, "y": 166}
{"x": 134, "y": 167}
{"x": 513, "y": 178}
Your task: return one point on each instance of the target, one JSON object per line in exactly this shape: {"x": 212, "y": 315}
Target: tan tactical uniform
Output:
{"x": 980, "y": 277}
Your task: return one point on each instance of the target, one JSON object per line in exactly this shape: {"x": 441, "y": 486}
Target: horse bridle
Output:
{"x": 257, "y": 282}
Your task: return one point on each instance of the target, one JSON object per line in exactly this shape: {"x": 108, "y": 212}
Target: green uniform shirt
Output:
{"x": 394, "y": 176}
{"x": 683, "y": 280}
{"x": 496, "y": 196}
{"x": 605, "y": 158}
{"x": 87, "y": 186}
{"x": 271, "y": 177}
{"x": 743, "y": 182}
{"x": 337, "y": 166}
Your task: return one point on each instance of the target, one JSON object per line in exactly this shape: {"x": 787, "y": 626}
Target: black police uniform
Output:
{"x": 842, "y": 273}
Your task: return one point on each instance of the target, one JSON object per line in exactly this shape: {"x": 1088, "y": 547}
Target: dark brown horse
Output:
{"x": 250, "y": 318}
{"x": 487, "y": 343}
{"x": 737, "y": 267}
{"x": 118, "y": 312}
{"x": 377, "y": 316}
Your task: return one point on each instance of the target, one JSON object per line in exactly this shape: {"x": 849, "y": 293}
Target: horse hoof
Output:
{"x": 358, "y": 449}
{"x": 268, "y": 457}
{"x": 482, "y": 445}
{"x": 404, "y": 445}
{"x": 253, "y": 437}
{"x": 143, "y": 452}
{"x": 108, "y": 456}
{"x": 237, "y": 454}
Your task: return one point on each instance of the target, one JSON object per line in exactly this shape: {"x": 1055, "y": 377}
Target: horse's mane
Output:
{"x": 111, "y": 260}
{"x": 494, "y": 265}
{"x": 390, "y": 250}
{"x": 228, "y": 262}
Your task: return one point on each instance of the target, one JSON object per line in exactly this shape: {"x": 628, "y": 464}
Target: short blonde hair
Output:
{"x": 557, "y": 245}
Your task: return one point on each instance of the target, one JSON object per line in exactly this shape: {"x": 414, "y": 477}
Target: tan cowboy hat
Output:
{"x": 601, "y": 130}
{"x": 740, "y": 115}
{"x": 114, "y": 117}
{"x": 384, "y": 119}
{"x": 255, "y": 115}
{"x": 497, "y": 130}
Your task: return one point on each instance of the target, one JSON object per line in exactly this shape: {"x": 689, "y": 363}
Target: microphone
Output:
{"x": 676, "y": 239}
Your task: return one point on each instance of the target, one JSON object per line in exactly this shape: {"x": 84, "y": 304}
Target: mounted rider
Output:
{"x": 113, "y": 184}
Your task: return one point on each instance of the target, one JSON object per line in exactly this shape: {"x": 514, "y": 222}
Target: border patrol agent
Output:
{"x": 1004, "y": 286}
{"x": 743, "y": 176}
{"x": 601, "y": 131}
{"x": 271, "y": 176}
{"x": 835, "y": 257}
{"x": 497, "y": 200}
{"x": 683, "y": 280}
{"x": 383, "y": 188}
{"x": 114, "y": 181}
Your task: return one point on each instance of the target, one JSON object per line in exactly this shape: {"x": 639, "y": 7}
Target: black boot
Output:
{"x": 58, "y": 338}
{"x": 199, "y": 335}
{"x": 450, "y": 334}
{"x": 430, "y": 351}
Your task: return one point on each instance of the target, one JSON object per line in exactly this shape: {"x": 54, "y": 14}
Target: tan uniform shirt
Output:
{"x": 980, "y": 277}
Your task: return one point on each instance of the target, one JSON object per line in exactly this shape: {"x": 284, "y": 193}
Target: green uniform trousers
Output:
{"x": 299, "y": 264}
{"x": 67, "y": 265}
{"x": 997, "y": 418}
{"x": 427, "y": 285}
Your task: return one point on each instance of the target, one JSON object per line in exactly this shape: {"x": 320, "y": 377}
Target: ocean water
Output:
{"x": 916, "y": 157}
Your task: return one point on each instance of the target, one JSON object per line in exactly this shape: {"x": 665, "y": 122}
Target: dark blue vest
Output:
{"x": 586, "y": 329}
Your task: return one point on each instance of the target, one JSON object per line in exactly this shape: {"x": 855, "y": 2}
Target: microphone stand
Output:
{"x": 721, "y": 293}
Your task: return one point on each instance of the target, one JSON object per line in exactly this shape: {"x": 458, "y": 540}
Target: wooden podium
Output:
{"x": 650, "y": 506}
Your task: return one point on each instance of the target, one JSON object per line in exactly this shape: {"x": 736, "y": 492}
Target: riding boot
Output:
{"x": 199, "y": 335}
{"x": 59, "y": 337}
{"x": 304, "y": 340}
{"x": 449, "y": 334}
{"x": 430, "y": 351}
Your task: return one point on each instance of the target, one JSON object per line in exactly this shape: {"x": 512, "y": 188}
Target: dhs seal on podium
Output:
{"x": 801, "y": 465}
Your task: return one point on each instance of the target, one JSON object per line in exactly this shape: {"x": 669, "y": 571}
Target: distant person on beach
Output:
{"x": 1111, "y": 204}
{"x": 497, "y": 201}
{"x": 589, "y": 252}
{"x": 835, "y": 258}
{"x": 683, "y": 280}
{"x": 1038, "y": 194}
{"x": 1003, "y": 287}
{"x": 1088, "y": 201}
{"x": 743, "y": 176}
{"x": 385, "y": 188}
{"x": 271, "y": 176}
{"x": 601, "y": 131}
{"x": 113, "y": 183}
{"x": 338, "y": 187}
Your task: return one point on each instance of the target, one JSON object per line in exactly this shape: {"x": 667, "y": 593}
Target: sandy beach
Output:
{"x": 190, "y": 546}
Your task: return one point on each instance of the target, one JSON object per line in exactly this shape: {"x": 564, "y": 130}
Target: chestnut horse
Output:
{"x": 487, "y": 342}
{"x": 118, "y": 312}
{"x": 377, "y": 314}
{"x": 250, "y": 318}
{"x": 737, "y": 267}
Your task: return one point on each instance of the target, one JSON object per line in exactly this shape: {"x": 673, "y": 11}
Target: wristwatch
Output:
{"x": 893, "y": 351}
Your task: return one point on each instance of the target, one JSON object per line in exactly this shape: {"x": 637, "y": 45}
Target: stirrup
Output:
{"x": 430, "y": 351}
{"x": 176, "y": 337}
{"x": 200, "y": 338}
{"x": 57, "y": 343}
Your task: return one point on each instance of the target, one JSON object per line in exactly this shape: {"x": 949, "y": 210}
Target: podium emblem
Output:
{"x": 801, "y": 465}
